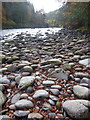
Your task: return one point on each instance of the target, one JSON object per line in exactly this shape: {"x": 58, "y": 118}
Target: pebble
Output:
{"x": 54, "y": 91}
{"x": 5, "y": 117}
{"x": 76, "y": 109}
{"x": 26, "y": 81}
{"x": 22, "y": 104}
{"x": 48, "y": 83}
{"x": 81, "y": 92}
{"x": 20, "y": 113}
{"x": 41, "y": 94}
{"x": 15, "y": 98}
{"x": 34, "y": 116}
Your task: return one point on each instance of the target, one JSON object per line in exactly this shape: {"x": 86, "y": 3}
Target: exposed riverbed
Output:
{"x": 45, "y": 74}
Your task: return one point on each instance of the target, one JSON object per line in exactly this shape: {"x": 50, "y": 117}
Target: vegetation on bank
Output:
{"x": 71, "y": 15}
{"x": 74, "y": 15}
{"x": 21, "y": 15}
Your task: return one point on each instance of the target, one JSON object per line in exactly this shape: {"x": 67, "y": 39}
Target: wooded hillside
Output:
{"x": 21, "y": 14}
{"x": 72, "y": 15}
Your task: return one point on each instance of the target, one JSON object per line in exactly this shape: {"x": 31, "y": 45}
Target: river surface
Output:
{"x": 10, "y": 33}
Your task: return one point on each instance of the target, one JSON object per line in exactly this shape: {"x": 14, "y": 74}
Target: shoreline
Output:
{"x": 46, "y": 78}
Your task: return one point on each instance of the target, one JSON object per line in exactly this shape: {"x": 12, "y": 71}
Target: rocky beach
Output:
{"x": 45, "y": 77}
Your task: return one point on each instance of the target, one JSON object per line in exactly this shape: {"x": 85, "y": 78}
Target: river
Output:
{"x": 10, "y": 33}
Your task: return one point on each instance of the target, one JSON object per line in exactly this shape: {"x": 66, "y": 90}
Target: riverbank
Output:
{"x": 45, "y": 78}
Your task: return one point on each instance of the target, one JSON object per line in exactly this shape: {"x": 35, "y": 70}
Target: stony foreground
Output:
{"x": 45, "y": 78}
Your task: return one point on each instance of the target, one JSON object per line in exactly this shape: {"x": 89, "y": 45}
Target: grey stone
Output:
{"x": 54, "y": 98}
{"x": 17, "y": 78}
{"x": 81, "y": 75}
{"x": 52, "y": 61}
{"x": 59, "y": 73}
{"x": 56, "y": 87}
{"x": 12, "y": 107}
{"x": 27, "y": 69}
{"x": 46, "y": 106}
{"x": 85, "y": 80}
{"x": 81, "y": 92}
{"x": 4, "y": 80}
{"x": 51, "y": 102}
{"x": 35, "y": 116}
{"x": 48, "y": 83}
{"x": 15, "y": 98}
{"x": 5, "y": 117}
{"x": 30, "y": 89}
{"x": 3, "y": 70}
{"x": 22, "y": 104}
{"x": 76, "y": 109}
{"x": 77, "y": 80}
{"x": 26, "y": 81}
{"x": 24, "y": 95}
{"x": 20, "y": 113}
{"x": 2, "y": 99}
{"x": 54, "y": 91}
{"x": 85, "y": 61}
{"x": 41, "y": 94}
{"x": 11, "y": 67}
{"x": 2, "y": 87}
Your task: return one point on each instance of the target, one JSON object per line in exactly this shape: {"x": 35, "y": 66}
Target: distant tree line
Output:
{"x": 21, "y": 14}
{"x": 71, "y": 15}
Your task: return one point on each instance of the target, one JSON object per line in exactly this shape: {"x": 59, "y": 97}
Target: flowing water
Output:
{"x": 10, "y": 33}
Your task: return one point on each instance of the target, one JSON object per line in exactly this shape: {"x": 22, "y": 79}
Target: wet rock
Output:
{"x": 59, "y": 73}
{"x": 52, "y": 61}
{"x": 51, "y": 102}
{"x": 54, "y": 91}
{"x": 26, "y": 81}
{"x": 66, "y": 66}
{"x": 22, "y": 104}
{"x": 3, "y": 70}
{"x": 2, "y": 87}
{"x": 59, "y": 105}
{"x": 84, "y": 85}
{"x": 35, "y": 116}
{"x": 81, "y": 75}
{"x": 85, "y": 61}
{"x": 41, "y": 94}
{"x": 52, "y": 115}
{"x": 30, "y": 89}
{"x": 15, "y": 98}
{"x": 20, "y": 113}
{"x": 4, "y": 80}
{"x": 24, "y": 95}
{"x": 77, "y": 79}
{"x": 2, "y": 99}
{"x": 25, "y": 74}
{"x": 81, "y": 92}
{"x": 12, "y": 107}
{"x": 76, "y": 109}
{"x": 17, "y": 78}
{"x": 23, "y": 63}
{"x": 48, "y": 83}
{"x": 54, "y": 98}
{"x": 13, "y": 83}
{"x": 5, "y": 117}
{"x": 11, "y": 67}
{"x": 85, "y": 80}
{"x": 2, "y": 57}
{"x": 56, "y": 87}
{"x": 27, "y": 69}
{"x": 46, "y": 106}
